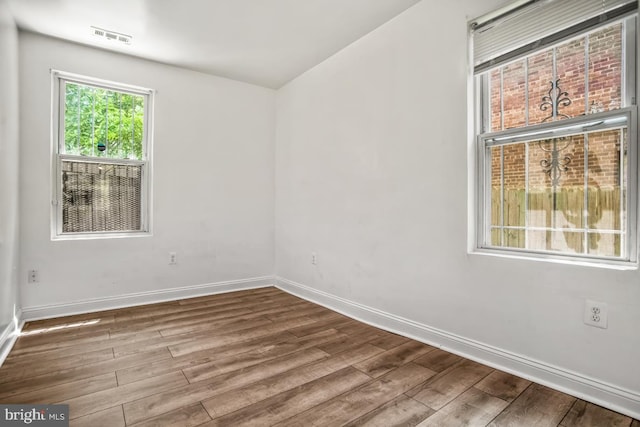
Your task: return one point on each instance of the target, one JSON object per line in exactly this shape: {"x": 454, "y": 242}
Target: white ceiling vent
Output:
{"x": 110, "y": 35}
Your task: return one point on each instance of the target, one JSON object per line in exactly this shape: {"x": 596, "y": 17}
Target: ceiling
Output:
{"x": 265, "y": 42}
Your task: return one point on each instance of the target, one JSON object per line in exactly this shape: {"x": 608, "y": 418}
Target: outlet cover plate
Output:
{"x": 595, "y": 314}
{"x": 32, "y": 276}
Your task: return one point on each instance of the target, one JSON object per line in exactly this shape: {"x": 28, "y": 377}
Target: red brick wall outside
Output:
{"x": 604, "y": 80}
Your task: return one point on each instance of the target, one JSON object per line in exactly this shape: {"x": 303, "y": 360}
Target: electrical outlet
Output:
{"x": 173, "y": 258}
{"x": 314, "y": 258}
{"x": 595, "y": 314}
{"x": 33, "y": 276}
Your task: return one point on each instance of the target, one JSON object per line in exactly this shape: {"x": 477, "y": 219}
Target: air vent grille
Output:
{"x": 111, "y": 35}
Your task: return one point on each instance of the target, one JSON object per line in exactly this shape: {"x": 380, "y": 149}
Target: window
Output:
{"x": 101, "y": 158}
{"x": 556, "y": 130}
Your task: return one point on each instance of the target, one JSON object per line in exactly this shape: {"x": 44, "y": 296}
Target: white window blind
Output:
{"x": 537, "y": 23}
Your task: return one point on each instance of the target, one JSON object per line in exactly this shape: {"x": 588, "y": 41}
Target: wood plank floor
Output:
{"x": 264, "y": 357}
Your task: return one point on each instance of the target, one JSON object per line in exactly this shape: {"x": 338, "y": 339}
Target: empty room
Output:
{"x": 319, "y": 212}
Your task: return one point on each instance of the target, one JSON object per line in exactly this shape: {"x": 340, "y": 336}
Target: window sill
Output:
{"x": 94, "y": 236}
{"x": 557, "y": 259}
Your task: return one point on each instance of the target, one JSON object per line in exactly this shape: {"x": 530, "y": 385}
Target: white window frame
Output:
{"x": 58, "y": 82}
{"x": 482, "y": 164}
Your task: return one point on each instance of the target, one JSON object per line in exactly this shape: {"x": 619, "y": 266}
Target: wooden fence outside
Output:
{"x": 536, "y": 209}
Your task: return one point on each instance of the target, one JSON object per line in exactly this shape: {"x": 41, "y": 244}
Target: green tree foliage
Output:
{"x": 100, "y": 118}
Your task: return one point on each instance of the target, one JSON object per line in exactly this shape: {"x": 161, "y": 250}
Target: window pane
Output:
{"x": 508, "y": 96}
{"x": 514, "y": 238}
{"x": 554, "y": 84}
{"x": 605, "y": 184}
{"x": 103, "y": 123}
{"x": 514, "y": 194}
{"x": 570, "y": 74}
{"x": 556, "y": 241}
{"x": 604, "y": 244}
{"x": 101, "y": 197}
{"x": 99, "y": 123}
{"x": 556, "y": 190}
{"x": 495, "y": 84}
{"x": 546, "y": 196}
{"x": 540, "y": 78}
{"x": 72, "y": 111}
{"x": 496, "y": 194}
{"x": 605, "y": 69}
{"x": 507, "y": 201}
{"x": 513, "y": 92}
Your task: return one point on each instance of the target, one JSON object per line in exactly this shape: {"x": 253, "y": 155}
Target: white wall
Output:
{"x": 213, "y": 182}
{"x": 372, "y": 174}
{"x": 9, "y": 222}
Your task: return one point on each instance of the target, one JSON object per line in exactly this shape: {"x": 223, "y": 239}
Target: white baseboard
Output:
{"x": 9, "y": 336}
{"x": 141, "y": 298}
{"x": 582, "y": 386}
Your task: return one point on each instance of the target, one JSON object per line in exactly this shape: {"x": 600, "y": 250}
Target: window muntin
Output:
{"x": 556, "y": 161}
{"x": 101, "y": 158}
